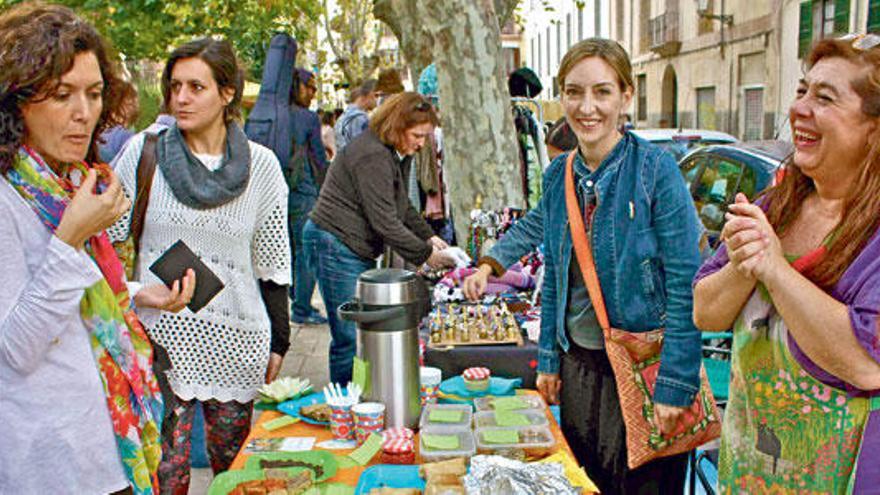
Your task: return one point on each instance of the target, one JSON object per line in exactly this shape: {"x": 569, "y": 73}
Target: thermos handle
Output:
{"x": 352, "y": 311}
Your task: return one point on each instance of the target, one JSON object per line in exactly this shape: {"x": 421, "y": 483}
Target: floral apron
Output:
{"x": 784, "y": 431}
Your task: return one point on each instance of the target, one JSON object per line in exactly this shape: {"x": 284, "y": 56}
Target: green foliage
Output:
{"x": 150, "y": 29}
{"x": 150, "y": 101}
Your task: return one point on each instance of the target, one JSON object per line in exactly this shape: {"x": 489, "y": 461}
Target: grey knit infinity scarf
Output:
{"x": 191, "y": 182}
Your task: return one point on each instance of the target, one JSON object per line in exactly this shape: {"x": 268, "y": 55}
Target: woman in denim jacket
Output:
{"x": 645, "y": 242}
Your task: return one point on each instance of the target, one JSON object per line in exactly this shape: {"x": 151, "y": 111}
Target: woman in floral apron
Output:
{"x": 798, "y": 279}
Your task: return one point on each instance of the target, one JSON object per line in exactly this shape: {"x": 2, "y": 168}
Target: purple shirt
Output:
{"x": 859, "y": 290}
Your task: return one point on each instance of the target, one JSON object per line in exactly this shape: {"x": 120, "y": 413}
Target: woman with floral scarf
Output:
{"x": 80, "y": 406}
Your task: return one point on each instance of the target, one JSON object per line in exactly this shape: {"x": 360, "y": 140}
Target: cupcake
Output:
{"x": 476, "y": 379}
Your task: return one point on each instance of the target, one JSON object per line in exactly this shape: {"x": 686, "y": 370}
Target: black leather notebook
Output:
{"x": 172, "y": 265}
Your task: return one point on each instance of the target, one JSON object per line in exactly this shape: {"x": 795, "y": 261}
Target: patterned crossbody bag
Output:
{"x": 635, "y": 359}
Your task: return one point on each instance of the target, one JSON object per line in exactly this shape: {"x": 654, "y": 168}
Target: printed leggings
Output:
{"x": 227, "y": 425}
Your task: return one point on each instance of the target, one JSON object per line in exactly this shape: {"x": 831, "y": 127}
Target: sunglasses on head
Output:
{"x": 422, "y": 106}
{"x": 862, "y": 42}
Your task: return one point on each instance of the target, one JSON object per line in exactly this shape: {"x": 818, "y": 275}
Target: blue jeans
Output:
{"x": 337, "y": 268}
{"x": 303, "y": 285}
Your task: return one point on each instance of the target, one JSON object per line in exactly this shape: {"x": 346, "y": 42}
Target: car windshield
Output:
{"x": 680, "y": 147}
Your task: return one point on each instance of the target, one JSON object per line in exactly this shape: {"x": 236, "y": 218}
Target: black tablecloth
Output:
{"x": 508, "y": 361}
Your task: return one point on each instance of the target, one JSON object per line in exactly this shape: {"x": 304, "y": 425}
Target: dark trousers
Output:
{"x": 593, "y": 426}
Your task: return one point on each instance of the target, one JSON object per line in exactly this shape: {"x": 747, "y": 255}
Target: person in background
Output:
{"x": 308, "y": 166}
{"x": 560, "y": 139}
{"x": 80, "y": 406}
{"x": 355, "y": 119}
{"x": 328, "y": 135}
{"x": 388, "y": 83}
{"x": 798, "y": 279}
{"x": 113, "y": 140}
{"x": 224, "y": 197}
{"x": 363, "y": 207}
{"x": 644, "y": 232}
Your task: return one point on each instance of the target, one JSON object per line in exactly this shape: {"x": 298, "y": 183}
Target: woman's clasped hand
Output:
{"x": 751, "y": 242}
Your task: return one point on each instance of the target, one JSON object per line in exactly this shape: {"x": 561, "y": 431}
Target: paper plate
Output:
{"x": 292, "y": 407}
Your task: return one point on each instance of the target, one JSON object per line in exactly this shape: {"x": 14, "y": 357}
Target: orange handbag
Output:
{"x": 635, "y": 359}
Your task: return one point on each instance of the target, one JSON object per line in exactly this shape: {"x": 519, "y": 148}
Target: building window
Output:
{"x": 532, "y": 52}
{"x": 510, "y": 57}
{"x": 598, "y": 18}
{"x": 547, "y": 44}
{"x": 706, "y": 108}
{"x": 580, "y": 23}
{"x": 642, "y": 103}
{"x": 753, "y": 114}
{"x": 644, "y": 25}
{"x": 823, "y": 19}
{"x": 567, "y": 31}
{"x": 558, "y": 42}
{"x": 538, "y": 67}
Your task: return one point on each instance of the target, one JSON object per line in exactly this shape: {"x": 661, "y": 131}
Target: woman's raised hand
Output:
{"x": 89, "y": 212}
{"x": 755, "y": 249}
{"x": 474, "y": 286}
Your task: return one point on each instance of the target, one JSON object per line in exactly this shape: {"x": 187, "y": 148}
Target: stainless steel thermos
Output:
{"x": 388, "y": 305}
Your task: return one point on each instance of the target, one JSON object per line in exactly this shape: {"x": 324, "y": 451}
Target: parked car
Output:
{"x": 714, "y": 174}
{"x": 680, "y": 141}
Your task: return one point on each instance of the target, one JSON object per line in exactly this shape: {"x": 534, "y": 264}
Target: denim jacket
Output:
{"x": 645, "y": 240}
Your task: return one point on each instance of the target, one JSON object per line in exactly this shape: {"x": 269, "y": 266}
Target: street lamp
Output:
{"x": 703, "y": 11}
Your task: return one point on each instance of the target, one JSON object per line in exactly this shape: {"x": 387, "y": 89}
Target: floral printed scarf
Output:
{"x": 119, "y": 343}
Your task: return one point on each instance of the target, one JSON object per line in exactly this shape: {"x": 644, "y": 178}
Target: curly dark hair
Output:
{"x": 38, "y": 45}
{"x": 220, "y": 57}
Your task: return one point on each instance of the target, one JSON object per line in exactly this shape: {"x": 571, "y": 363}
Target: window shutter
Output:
{"x": 873, "y": 16}
{"x": 805, "y": 29}
{"x": 841, "y": 16}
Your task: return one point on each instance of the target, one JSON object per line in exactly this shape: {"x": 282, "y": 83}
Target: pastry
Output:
{"x": 456, "y": 466}
{"x": 317, "y": 412}
{"x": 476, "y": 379}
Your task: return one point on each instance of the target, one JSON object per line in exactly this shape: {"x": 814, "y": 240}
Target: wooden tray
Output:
{"x": 518, "y": 341}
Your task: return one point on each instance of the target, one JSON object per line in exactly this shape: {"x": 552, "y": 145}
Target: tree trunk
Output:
{"x": 480, "y": 157}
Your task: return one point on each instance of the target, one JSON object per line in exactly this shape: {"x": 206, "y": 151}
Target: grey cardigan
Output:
{"x": 364, "y": 202}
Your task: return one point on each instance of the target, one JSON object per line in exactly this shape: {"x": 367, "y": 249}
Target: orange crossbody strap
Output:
{"x": 582, "y": 249}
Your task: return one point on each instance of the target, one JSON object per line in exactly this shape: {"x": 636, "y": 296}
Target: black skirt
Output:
{"x": 593, "y": 426}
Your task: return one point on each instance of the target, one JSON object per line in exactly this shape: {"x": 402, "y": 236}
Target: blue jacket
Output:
{"x": 645, "y": 243}
{"x": 306, "y": 131}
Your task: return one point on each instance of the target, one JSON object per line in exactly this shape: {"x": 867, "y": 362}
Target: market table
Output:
{"x": 351, "y": 475}
{"x": 508, "y": 361}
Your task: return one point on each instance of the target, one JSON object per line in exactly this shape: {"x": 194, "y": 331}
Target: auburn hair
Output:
{"x": 861, "y": 208}
{"x": 399, "y": 113}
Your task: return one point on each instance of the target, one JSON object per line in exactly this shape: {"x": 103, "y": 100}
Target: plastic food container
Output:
{"x": 532, "y": 442}
{"x": 488, "y": 419}
{"x": 466, "y": 445}
{"x": 440, "y": 419}
{"x": 528, "y": 401}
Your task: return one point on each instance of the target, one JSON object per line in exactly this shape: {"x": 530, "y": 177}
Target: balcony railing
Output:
{"x": 665, "y": 38}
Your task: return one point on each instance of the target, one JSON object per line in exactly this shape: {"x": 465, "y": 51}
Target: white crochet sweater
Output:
{"x": 220, "y": 353}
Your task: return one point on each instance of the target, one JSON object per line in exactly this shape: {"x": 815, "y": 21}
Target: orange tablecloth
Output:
{"x": 350, "y": 476}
